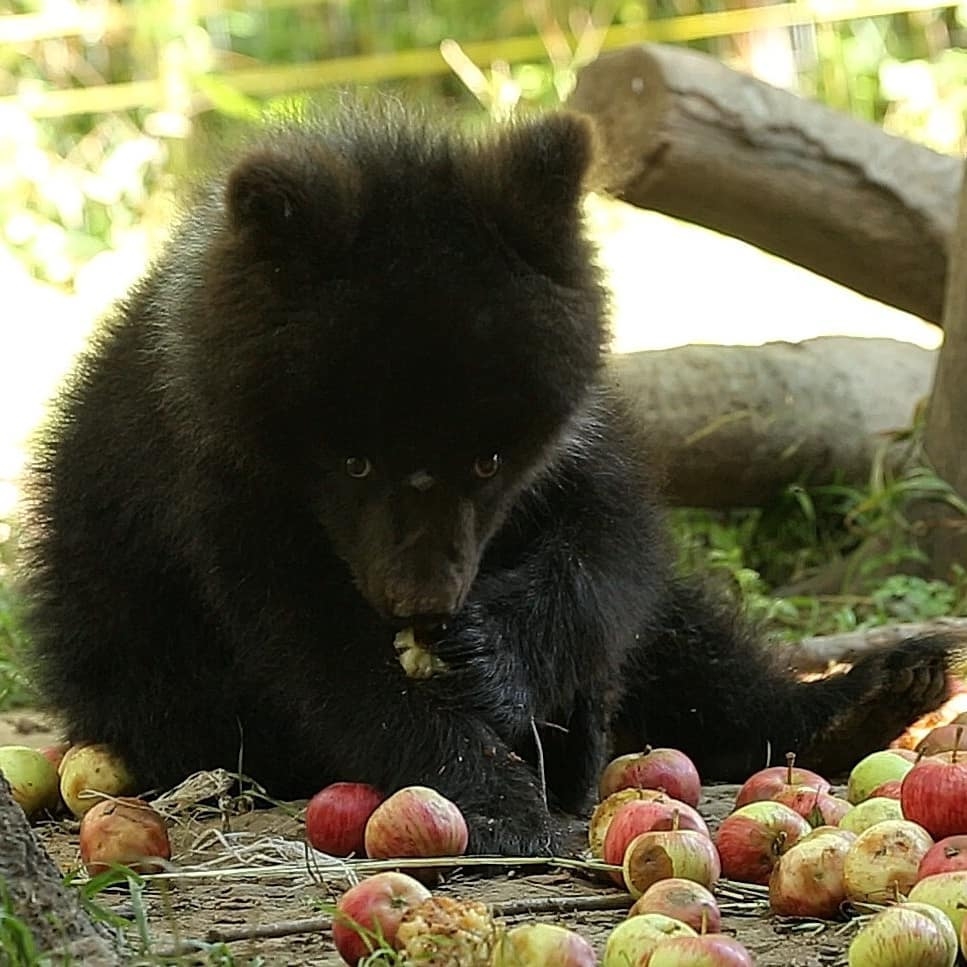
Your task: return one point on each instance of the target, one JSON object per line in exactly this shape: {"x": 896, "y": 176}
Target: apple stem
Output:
{"x": 958, "y": 735}
{"x": 704, "y": 929}
{"x": 675, "y": 820}
{"x": 790, "y": 762}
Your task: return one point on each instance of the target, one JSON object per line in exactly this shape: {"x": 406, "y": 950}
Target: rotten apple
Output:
{"x": 123, "y": 832}
{"x": 884, "y": 860}
{"x": 683, "y": 900}
{"x": 661, "y": 854}
{"x": 807, "y": 881}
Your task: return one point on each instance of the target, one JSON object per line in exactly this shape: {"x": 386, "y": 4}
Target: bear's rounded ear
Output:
{"x": 277, "y": 194}
{"x": 546, "y": 161}
{"x": 264, "y": 192}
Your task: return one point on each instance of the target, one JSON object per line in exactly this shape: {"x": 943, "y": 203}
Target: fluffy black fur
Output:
{"x": 359, "y": 390}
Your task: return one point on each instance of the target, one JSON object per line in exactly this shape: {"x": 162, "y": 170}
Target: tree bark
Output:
{"x": 945, "y": 434}
{"x": 37, "y": 896}
{"x": 732, "y": 425}
{"x": 684, "y": 135}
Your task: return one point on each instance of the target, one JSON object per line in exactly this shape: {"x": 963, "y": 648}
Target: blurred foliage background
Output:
{"x": 99, "y": 101}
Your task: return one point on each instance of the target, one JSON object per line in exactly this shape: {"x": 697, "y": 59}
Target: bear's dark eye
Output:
{"x": 486, "y": 467}
{"x": 358, "y": 467}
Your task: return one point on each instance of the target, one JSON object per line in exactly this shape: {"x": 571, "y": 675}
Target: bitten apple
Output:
{"x": 371, "y": 912}
{"x": 665, "y": 853}
{"x": 637, "y": 817}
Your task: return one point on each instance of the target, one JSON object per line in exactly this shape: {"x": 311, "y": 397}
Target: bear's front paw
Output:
{"x": 881, "y": 695}
{"x": 529, "y": 834}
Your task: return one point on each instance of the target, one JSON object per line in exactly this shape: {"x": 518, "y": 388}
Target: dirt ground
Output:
{"x": 251, "y": 870}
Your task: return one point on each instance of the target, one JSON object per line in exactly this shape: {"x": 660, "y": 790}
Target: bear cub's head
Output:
{"x": 407, "y": 320}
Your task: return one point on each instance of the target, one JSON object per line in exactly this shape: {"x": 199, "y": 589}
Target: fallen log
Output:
{"x": 732, "y": 425}
{"x": 685, "y": 135}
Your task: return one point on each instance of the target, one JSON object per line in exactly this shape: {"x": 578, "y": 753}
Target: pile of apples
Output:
{"x": 92, "y": 783}
{"x": 899, "y": 838}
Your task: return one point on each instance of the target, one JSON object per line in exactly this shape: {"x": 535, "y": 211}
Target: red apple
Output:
{"x": 124, "y": 832}
{"x": 708, "y": 950}
{"x": 875, "y": 769}
{"x": 416, "y": 821}
{"x": 818, "y": 808}
{"x": 665, "y": 853}
{"x": 903, "y": 936}
{"x": 669, "y": 770}
{"x": 683, "y": 900}
{"x": 934, "y": 794}
{"x": 636, "y": 939}
{"x": 370, "y": 913}
{"x": 808, "y": 879}
{"x": 336, "y": 817}
{"x": 883, "y": 861}
{"x": 542, "y": 945}
{"x": 765, "y": 783}
{"x": 637, "y": 817}
{"x": 945, "y": 891}
{"x": 751, "y": 839}
{"x": 947, "y": 856}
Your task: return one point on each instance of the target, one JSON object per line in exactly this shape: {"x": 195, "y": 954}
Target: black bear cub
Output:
{"x": 360, "y": 391}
